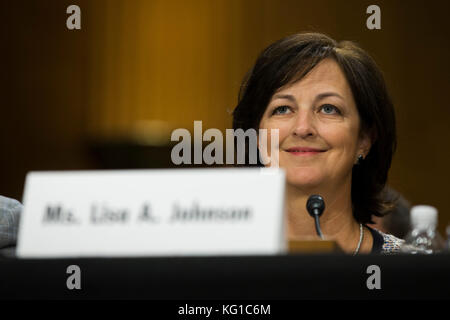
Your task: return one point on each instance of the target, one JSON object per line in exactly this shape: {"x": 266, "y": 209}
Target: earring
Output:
{"x": 360, "y": 159}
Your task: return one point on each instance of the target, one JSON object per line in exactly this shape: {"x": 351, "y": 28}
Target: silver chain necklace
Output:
{"x": 361, "y": 235}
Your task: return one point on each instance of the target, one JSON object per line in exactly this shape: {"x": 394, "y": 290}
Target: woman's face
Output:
{"x": 318, "y": 126}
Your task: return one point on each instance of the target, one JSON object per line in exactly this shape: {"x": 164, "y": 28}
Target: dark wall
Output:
{"x": 44, "y": 97}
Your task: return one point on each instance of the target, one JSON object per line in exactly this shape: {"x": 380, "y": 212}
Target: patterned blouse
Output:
{"x": 385, "y": 243}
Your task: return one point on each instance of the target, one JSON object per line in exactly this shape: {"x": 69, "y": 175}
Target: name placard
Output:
{"x": 152, "y": 213}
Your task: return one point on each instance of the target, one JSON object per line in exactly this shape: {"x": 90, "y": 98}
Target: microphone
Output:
{"x": 315, "y": 206}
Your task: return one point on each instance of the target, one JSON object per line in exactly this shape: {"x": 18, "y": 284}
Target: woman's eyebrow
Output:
{"x": 318, "y": 97}
{"x": 328, "y": 94}
{"x": 284, "y": 96}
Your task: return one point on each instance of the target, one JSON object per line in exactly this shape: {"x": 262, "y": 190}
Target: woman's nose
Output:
{"x": 304, "y": 125}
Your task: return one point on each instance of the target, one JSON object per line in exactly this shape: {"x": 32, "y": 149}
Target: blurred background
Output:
{"x": 109, "y": 95}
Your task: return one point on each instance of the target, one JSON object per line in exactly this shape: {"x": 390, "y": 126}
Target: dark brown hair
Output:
{"x": 289, "y": 60}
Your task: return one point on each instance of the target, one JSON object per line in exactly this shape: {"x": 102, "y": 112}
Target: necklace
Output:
{"x": 361, "y": 235}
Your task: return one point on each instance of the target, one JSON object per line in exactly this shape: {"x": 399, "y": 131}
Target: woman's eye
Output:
{"x": 329, "y": 109}
{"x": 281, "y": 110}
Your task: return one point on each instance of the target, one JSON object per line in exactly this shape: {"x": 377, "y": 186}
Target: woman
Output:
{"x": 336, "y": 134}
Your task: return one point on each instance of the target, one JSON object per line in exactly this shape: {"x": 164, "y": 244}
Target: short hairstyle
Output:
{"x": 289, "y": 60}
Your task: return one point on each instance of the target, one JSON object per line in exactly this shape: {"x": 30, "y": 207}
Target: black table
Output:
{"x": 239, "y": 277}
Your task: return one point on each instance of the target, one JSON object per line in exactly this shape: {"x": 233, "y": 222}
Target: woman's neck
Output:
{"x": 337, "y": 221}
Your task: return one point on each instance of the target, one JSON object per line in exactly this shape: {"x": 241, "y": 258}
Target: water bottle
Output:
{"x": 423, "y": 237}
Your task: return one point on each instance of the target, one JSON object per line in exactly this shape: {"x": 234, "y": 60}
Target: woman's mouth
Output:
{"x": 304, "y": 151}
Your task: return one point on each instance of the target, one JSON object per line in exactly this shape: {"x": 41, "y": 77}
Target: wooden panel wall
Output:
{"x": 171, "y": 62}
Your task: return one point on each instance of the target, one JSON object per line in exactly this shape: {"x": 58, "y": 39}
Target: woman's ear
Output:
{"x": 364, "y": 143}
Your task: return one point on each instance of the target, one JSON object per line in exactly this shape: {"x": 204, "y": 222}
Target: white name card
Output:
{"x": 152, "y": 213}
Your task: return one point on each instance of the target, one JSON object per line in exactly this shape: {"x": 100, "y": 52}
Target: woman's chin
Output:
{"x": 302, "y": 180}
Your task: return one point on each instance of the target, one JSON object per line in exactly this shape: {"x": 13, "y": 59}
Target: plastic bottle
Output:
{"x": 423, "y": 237}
